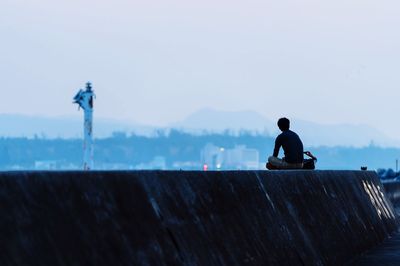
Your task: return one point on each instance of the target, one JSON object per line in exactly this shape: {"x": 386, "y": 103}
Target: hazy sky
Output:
{"x": 155, "y": 62}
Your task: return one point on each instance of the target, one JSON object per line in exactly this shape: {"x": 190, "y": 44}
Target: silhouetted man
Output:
{"x": 292, "y": 148}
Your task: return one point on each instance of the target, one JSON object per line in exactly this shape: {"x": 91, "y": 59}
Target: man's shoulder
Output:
{"x": 286, "y": 134}
{"x": 294, "y": 135}
{"x": 290, "y": 134}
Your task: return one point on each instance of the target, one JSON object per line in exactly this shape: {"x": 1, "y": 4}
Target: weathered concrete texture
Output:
{"x": 392, "y": 188}
{"x": 191, "y": 218}
{"x": 386, "y": 254}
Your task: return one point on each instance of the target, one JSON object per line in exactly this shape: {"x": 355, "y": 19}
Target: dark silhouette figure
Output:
{"x": 292, "y": 148}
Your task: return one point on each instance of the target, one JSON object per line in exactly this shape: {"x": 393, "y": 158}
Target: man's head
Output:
{"x": 283, "y": 124}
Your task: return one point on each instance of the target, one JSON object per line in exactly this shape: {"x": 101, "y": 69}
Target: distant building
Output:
{"x": 185, "y": 165}
{"x": 46, "y": 165}
{"x": 54, "y": 165}
{"x": 158, "y": 163}
{"x": 212, "y": 156}
{"x": 113, "y": 166}
{"x": 238, "y": 158}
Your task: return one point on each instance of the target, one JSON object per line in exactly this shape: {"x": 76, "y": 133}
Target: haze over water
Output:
{"x": 156, "y": 62}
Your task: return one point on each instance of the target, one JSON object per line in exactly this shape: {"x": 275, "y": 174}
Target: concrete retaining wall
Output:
{"x": 191, "y": 218}
{"x": 392, "y": 188}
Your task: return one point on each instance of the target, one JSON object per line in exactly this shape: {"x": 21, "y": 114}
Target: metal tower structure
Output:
{"x": 85, "y": 100}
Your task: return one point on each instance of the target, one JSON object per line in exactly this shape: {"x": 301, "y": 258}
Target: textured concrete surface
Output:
{"x": 386, "y": 254}
{"x": 392, "y": 188}
{"x": 191, "y": 218}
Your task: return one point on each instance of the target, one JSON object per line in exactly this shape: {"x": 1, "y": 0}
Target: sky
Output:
{"x": 156, "y": 62}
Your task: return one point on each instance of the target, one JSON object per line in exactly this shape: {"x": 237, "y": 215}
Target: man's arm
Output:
{"x": 278, "y": 145}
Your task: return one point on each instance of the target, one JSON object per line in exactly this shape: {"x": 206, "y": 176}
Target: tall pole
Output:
{"x": 85, "y": 100}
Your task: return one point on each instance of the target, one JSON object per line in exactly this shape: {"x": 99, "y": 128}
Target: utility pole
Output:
{"x": 85, "y": 100}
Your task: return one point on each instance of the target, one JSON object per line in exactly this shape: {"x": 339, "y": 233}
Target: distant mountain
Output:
{"x": 312, "y": 134}
{"x": 218, "y": 121}
{"x": 62, "y": 127}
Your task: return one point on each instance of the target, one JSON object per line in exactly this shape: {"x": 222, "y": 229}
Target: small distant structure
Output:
{"x": 238, "y": 158}
{"x": 46, "y": 165}
{"x": 158, "y": 163}
{"x": 85, "y": 100}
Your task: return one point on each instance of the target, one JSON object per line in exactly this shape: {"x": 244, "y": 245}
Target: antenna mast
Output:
{"x": 85, "y": 100}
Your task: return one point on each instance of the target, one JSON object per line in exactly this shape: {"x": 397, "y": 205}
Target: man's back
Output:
{"x": 292, "y": 146}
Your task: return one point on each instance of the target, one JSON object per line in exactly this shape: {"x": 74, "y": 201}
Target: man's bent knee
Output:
{"x": 271, "y": 159}
{"x": 275, "y": 161}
